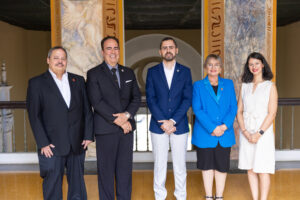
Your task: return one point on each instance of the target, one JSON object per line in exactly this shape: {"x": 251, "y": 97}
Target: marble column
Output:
{"x": 79, "y": 26}
{"x": 235, "y": 28}
{"x": 6, "y": 115}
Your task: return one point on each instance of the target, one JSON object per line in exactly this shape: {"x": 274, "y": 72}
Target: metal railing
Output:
{"x": 286, "y": 127}
{"x": 142, "y": 135}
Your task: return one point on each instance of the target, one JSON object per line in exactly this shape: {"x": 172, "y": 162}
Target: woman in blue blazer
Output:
{"x": 215, "y": 107}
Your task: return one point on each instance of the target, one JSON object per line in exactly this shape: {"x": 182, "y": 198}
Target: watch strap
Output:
{"x": 261, "y": 132}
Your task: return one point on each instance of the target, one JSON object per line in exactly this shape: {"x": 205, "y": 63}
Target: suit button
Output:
{"x": 170, "y": 110}
{"x": 170, "y": 100}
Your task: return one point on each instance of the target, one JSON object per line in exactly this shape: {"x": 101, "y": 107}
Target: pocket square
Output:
{"x": 128, "y": 81}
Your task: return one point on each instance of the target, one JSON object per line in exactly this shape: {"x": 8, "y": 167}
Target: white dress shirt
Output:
{"x": 63, "y": 86}
{"x": 169, "y": 74}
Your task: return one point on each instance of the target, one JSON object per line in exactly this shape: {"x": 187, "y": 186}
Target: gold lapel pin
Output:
{"x": 73, "y": 79}
{"x": 221, "y": 88}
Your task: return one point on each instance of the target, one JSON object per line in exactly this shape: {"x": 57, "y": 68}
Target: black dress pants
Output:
{"x": 114, "y": 162}
{"x": 52, "y": 172}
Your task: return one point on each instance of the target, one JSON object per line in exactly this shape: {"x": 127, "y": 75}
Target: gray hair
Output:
{"x": 214, "y": 56}
{"x": 55, "y": 48}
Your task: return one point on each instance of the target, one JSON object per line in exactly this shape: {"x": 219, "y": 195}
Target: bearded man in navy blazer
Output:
{"x": 61, "y": 120}
{"x": 169, "y": 96}
{"x": 115, "y": 96}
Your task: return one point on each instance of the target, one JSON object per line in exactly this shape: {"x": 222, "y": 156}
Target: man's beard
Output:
{"x": 169, "y": 58}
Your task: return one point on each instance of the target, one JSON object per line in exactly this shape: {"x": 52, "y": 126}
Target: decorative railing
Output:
{"x": 287, "y": 124}
{"x": 16, "y": 134}
{"x": 142, "y": 135}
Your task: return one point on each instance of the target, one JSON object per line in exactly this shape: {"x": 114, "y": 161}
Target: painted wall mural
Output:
{"x": 80, "y": 25}
{"x": 82, "y": 33}
{"x": 248, "y": 25}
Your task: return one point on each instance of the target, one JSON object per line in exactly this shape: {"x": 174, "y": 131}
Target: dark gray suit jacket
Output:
{"x": 107, "y": 98}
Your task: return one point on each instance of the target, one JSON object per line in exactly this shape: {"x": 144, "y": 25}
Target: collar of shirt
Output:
{"x": 172, "y": 69}
{"x": 110, "y": 67}
{"x": 64, "y": 76}
{"x": 117, "y": 72}
{"x": 169, "y": 74}
{"x": 63, "y": 86}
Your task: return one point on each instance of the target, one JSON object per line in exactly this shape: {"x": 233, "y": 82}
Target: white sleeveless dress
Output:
{"x": 260, "y": 156}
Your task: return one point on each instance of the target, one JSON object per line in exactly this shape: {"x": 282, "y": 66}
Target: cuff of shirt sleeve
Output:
{"x": 128, "y": 115}
{"x": 173, "y": 121}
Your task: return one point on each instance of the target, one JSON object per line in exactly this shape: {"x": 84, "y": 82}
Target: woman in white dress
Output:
{"x": 257, "y": 106}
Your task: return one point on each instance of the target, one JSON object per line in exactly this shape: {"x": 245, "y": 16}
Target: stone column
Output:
{"x": 79, "y": 26}
{"x": 235, "y": 28}
{"x": 6, "y": 115}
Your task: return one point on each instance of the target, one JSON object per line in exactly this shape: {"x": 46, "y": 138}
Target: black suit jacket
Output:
{"x": 51, "y": 120}
{"x": 107, "y": 98}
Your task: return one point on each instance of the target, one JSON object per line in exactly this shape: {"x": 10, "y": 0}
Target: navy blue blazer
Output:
{"x": 165, "y": 103}
{"x": 212, "y": 110}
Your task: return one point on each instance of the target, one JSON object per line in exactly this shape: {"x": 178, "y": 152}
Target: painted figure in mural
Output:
{"x": 82, "y": 32}
{"x": 257, "y": 107}
{"x": 169, "y": 96}
{"x": 61, "y": 120}
{"x": 215, "y": 107}
{"x": 115, "y": 96}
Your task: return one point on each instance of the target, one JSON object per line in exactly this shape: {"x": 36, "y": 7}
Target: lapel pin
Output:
{"x": 122, "y": 70}
{"x": 221, "y": 88}
{"x": 73, "y": 79}
{"x": 177, "y": 70}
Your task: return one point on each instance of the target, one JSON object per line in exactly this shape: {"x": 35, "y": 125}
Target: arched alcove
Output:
{"x": 142, "y": 52}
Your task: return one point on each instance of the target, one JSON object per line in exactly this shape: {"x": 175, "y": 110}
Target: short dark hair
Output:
{"x": 167, "y": 38}
{"x": 55, "y": 48}
{"x": 267, "y": 74}
{"x": 107, "y": 38}
{"x": 214, "y": 56}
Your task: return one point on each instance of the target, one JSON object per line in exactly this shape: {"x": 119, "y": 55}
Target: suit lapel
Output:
{"x": 53, "y": 87}
{"x": 175, "y": 76}
{"x": 210, "y": 89}
{"x": 220, "y": 88}
{"x": 122, "y": 78}
{"x": 163, "y": 76}
{"x": 109, "y": 74}
{"x": 72, "y": 82}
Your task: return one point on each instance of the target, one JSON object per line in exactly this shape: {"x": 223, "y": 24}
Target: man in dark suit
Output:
{"x": 61, "y": 120}
{"x": 169, "y": 96}
{"x": 115, "y": 97}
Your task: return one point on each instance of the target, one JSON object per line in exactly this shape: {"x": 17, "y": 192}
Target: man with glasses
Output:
{"x": 115, "y": 96}
{"x": 169, "y": 96}
{"x": 60, "y": 116}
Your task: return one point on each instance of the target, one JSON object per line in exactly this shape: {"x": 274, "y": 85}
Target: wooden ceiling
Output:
{"x": 139, "y": 14}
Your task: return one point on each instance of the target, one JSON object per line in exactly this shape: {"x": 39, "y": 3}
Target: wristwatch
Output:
{"x": 127, "y": 114}
{"x": 261, "y": 132}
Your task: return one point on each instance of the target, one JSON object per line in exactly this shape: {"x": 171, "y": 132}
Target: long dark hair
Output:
{"x": 267, "y": 74}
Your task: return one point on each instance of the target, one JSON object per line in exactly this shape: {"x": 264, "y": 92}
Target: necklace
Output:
{"x": 214, "y": 82}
